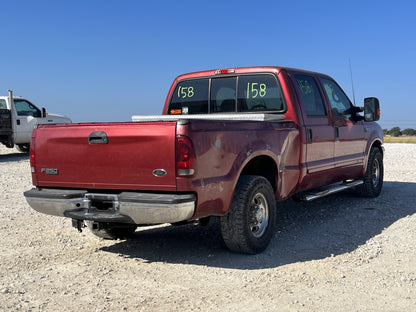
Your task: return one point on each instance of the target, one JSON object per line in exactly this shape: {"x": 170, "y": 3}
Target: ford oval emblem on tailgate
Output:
{"x": 159, "y": 172}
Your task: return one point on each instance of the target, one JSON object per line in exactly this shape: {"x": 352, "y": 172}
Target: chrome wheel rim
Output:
{"x": 259, "y": 215}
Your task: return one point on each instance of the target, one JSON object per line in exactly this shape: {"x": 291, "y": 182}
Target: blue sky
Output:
{"x": 108, "y": 60}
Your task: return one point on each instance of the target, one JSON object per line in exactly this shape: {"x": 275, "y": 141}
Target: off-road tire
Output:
{"x": 111, "y": 231}
{"x": 373, "y": 178}
{"x": 24, "y": 148}
{"x": 250, "y": 222}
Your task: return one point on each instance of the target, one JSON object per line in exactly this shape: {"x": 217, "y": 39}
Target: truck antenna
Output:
{"x": 352, "y": 82}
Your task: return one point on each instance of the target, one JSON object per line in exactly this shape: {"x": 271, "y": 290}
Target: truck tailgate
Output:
{"x": 105, "y": 156}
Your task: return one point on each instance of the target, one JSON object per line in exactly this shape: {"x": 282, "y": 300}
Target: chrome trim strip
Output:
{"x": 242, "y": 117}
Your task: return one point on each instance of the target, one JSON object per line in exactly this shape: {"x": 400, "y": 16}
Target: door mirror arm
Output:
{"x": 355, "y": 117}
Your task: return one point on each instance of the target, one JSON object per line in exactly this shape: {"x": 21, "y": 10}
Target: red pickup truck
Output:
{"x": 230, "y": 143}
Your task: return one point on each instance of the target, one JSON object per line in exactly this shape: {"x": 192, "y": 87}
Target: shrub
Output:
{"x": 395, "y": 131}
{"x": 409, "y": 131}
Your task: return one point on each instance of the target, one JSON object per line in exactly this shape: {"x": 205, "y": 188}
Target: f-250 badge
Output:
{"x": 50, "y": 171}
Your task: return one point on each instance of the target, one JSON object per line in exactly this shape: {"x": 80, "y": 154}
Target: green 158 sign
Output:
{"x": 185, "y": 92}
{"x": 255, "y": 89}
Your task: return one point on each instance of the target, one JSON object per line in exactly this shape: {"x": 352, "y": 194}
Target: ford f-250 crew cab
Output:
{"x": 230, "y": 143}
{"x": 18, "y": 118}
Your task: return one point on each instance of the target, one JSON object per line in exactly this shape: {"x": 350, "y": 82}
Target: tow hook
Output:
{"x": 78, "y": 224}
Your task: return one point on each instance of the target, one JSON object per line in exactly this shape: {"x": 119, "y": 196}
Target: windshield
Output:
{"x": 245, "y": 93}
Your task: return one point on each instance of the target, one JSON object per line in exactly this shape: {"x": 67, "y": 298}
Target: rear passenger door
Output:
{"x": 349, "y": 135}
{"x": 319, "y": 132}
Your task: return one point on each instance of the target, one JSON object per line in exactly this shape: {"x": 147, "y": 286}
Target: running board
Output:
{"x": 331, "y": 190}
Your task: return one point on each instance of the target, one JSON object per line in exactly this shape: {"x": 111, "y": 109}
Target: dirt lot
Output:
{"x": 340, "y": 253}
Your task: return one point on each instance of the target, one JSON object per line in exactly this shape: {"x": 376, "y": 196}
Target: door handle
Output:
{"x": 309, "y": 136}
{"x": 98, "y": 137}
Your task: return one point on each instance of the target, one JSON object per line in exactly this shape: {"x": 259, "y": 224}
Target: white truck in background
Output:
{"x": 18, "y": 118}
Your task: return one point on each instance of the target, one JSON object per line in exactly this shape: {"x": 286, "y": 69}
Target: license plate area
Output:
{"x": 102, "y": 203}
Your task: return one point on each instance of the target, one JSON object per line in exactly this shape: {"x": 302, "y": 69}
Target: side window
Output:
{"x": 340, "y": 104}
{"x": 190, "y": 97}
{"x": 25, "y": 108}
{"x": 3, "y": 104}
{"x": 223, "y": 94}
{"x": 311, "y": 97}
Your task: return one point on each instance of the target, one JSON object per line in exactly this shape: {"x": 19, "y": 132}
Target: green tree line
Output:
{"x": 396, "y": 132}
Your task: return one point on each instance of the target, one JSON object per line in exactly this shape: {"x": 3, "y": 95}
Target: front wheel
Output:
{"x": 111, "y": 231}
{"x": 373, "y": 178}
{"x": 249, "y": 225}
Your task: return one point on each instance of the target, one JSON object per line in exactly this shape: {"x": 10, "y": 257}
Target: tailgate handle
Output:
{"x": 98, "y": 137}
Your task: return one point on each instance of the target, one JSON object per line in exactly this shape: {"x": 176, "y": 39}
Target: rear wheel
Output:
{"x": 373, "y": 178}
{"x": 111, "y": 231}
{"x": 24, "y": 148}
{"x": 249, "y": 225}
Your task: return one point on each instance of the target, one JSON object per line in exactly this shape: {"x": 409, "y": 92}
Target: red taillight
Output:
{"x": 184, "y": 156}
{"x": 32, "y": 156}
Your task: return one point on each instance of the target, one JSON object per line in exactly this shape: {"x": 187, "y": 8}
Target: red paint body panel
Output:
{"x": 125, "y": 162}
{"x": 224, "y": 150}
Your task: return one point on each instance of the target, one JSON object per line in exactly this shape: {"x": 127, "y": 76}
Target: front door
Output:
{"x": 349, "y": 134}
{"x": 26, "y": 117}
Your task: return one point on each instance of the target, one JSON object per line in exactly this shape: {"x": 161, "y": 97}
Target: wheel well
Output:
{"x": 378, "y": 145}
{"x": 262, "y": 166}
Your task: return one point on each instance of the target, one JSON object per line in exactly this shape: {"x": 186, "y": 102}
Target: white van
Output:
{"x": 18, "y": 118}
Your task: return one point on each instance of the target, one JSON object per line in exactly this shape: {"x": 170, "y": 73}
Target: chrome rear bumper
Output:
{"x": 126, "y": 207}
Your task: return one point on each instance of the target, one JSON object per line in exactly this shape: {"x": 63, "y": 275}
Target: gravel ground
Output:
{"x": 339, "y": 253}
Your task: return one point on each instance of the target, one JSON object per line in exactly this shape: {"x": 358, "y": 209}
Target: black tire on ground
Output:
{"x": 111, "y": 231}
{"x": 251, "y": 220}
{"x": 373, "y": 178}
{"x": 24, "y": 148}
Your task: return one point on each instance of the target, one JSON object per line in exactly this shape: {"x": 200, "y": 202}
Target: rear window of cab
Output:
{"x": 245, "y": 93}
